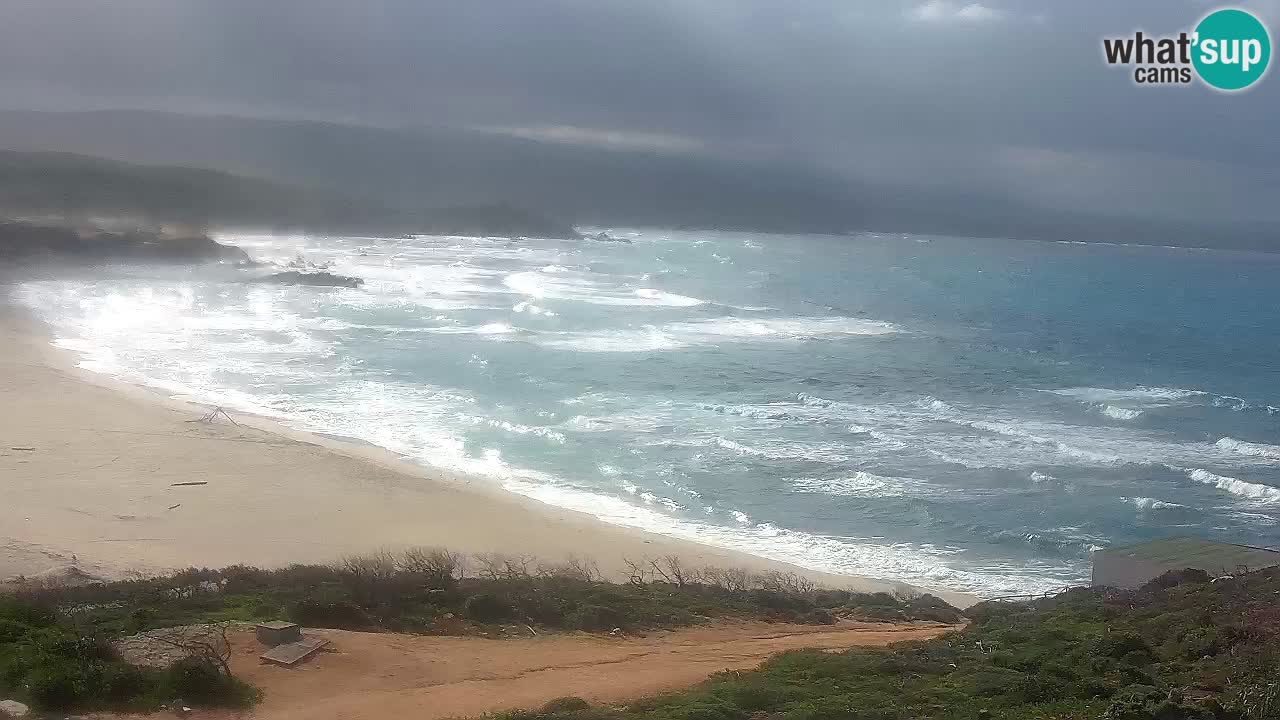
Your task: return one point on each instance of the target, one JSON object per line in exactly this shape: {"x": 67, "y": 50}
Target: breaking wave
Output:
{"x": 674, "y": 336}
{"x": 863, "y": 485}
{"x": 1139, "y": 394}
{"x": 1258, "y": 450}
{"x": 1239, "y": 488}
{"x": 1146, "y": 504}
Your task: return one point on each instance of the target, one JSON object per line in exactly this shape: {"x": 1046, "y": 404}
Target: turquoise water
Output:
{"x": 969, "y": 414}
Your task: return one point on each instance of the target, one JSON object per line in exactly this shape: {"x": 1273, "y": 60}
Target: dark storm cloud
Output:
{"x": 1007, "y": 96}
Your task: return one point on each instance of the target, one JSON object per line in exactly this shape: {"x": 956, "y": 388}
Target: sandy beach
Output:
{"x": 92, "y": 471}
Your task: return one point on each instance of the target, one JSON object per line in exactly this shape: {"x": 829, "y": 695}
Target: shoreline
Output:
{"x": 96, "y": 494}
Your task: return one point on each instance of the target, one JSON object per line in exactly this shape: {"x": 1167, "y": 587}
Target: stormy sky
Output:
{"x": 1007, "y": 97}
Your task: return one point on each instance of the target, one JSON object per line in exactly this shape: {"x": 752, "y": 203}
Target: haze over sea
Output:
{"x": 966, "y": 414}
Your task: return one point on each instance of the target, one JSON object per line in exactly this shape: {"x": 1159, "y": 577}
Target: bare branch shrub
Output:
{"x": 497, "y": 566}
{"x": 638, "y": 573}
{"x": 788, "y": 582}
{"x": 672, "y": 570}
{"x": 572, "y": 568}
{"x": 731, "y": 579}
{"x": 435, "y": 567}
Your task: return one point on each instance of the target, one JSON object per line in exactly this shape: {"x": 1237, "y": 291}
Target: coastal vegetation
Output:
{"x": 53, "y": 664}
{"x": 56, "y": 651}
{"x": 1185, "y": 646}
{"x": 1181, "y": 648}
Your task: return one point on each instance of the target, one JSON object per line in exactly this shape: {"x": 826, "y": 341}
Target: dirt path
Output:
{"x": 404, "y": 676}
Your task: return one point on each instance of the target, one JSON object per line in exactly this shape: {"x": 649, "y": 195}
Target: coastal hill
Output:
{"x": 591, "y": 184}
{"x": 69, "y": 186}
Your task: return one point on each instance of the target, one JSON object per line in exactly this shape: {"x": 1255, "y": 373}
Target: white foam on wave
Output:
{"x": 766, "y": 450}
{"x": 1139, "y": 394}
{"x": 1258, "y": 450}
{"x": 1015, "y": 442}
{"x": 650, "y": 340}
{"x": 1249, "y": 491}
{"x": 792, "y": 328}
{"x": 674, "y": 336}
{"x": 774, "y": 411}
{"x": 1144, "y": 398}
{"x": 668, "y": 299}
{"x": 424, "y": 280}
{"x": 495, "y": 328}
{"x": 1232, "y": 402}
{"x": 530, "y": 308}
{"x": 520, "y": 428}
{"x": 863, "y": 485}
{"x": 922, "y": 563}
{"x": 564, "y": 284}
{"x": 1119, "y": 413}
{"x": 1146, "y": 504}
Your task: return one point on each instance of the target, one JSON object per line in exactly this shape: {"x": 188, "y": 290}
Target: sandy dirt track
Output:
{"x": 374, "y": 676}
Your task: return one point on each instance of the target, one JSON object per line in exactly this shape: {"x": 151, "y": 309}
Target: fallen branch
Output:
{"x": 213, "y": 415}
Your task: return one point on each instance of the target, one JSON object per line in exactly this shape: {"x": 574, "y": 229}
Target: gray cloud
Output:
{"x": 1000, "y": 96}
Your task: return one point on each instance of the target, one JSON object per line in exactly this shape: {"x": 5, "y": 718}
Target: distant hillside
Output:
{"x": 458, "y": 167}
{"x": 440, "y": 167}
{"x": 78, "y": 186}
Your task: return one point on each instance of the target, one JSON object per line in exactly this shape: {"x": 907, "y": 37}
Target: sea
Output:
{"x": 965, "y": 414}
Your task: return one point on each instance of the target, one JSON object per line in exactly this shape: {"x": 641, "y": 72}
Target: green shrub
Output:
{"x": 13, "y": 630}
{"x": 27, "y": 613}
{"x": 342, "y": 614}
{"x": 201, "y": 682}
{"x": 566, "y": 705}
{"x": 596, "y": 618}
{"x": 487, "y": 608}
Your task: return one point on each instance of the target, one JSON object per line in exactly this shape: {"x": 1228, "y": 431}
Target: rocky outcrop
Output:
{"x": 27, "y": 242}
{"x": 13, "y": 709}
{"x": 315, "y": 279}
{"x": 603, "y": 236}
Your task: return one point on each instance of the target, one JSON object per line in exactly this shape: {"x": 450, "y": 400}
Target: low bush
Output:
{"x": 1087, "y": 654}
{"x": 52, "y": 655}
{"x": 424, "y": 590}
{"x": 52, "y": 666}
{"x": 199, "y": 681}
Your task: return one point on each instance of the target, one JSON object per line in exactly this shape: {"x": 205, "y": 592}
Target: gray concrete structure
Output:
{"x": 277, "y": 632}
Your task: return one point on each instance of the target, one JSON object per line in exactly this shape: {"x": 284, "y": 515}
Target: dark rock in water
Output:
{"x": 315, "y": 279}
{"x": 27, "y": 242}
{"x": 606, "y": 237}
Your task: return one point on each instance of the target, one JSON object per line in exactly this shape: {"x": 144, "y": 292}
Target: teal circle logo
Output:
{"x": 1231, "y": 49}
